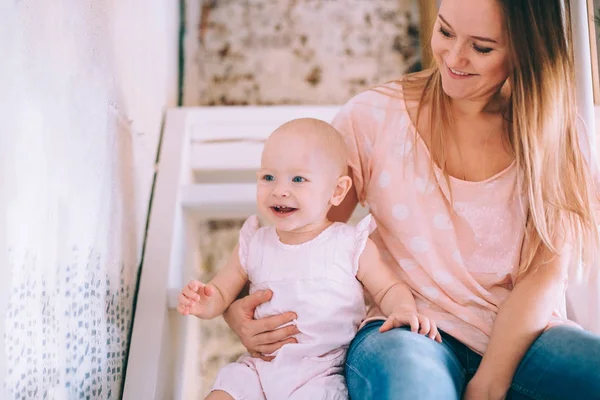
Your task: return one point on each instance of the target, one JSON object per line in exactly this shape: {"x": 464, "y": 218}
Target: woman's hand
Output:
{"x": 261, "y": 336}
{"x": 418, "y": 323}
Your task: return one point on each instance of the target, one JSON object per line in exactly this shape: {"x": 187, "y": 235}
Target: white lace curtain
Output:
{"x": 70, "y": 221}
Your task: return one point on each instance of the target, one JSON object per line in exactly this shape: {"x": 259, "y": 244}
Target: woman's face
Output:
{"x": 470, "y": 46}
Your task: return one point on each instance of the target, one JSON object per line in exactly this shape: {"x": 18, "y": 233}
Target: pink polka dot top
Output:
{"x": 459, "y": 255}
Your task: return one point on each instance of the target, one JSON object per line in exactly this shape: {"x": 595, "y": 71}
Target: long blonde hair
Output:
{"x": 540, "y": 120}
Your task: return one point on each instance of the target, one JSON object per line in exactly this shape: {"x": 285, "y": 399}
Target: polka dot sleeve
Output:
{"x": 346, "y": 122}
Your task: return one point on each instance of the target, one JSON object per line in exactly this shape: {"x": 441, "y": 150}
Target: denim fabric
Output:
{"x": 563, "y": 363}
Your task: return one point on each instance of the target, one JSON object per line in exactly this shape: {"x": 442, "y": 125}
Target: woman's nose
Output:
{"x": 456, "y": 56}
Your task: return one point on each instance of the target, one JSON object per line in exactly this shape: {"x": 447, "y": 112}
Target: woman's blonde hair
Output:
{"x": 540, "y": 118}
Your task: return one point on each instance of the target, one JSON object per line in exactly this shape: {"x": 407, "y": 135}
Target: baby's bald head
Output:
{"x": 321, "y": 136}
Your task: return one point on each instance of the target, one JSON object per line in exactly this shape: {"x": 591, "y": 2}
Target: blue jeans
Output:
{"x": 563, "y": 363}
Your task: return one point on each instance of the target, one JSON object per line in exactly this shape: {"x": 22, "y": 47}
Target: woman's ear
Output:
{"x": 342, "y": 186}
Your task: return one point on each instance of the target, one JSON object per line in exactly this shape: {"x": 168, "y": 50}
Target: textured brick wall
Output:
{"x": 297, "y": 51}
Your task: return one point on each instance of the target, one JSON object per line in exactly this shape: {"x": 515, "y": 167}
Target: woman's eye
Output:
{"x": 482, "y": 50}
{"x": 298, "y": 179}
{"x": 445, "y": 32}
{"x": 268, "y": 178}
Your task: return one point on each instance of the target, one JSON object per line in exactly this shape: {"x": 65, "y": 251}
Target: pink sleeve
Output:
{"x": 363, "y": 229}
{"x": 247, "y": 232}
{"x": 352, "y": 121}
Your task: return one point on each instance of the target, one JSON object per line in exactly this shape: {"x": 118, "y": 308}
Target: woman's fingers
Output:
{"x": 261, "y": 330}
{"x": 275, "y": 336}
{"x": 250, "y": 302}
{"x": 262, "y": 335}
{"x": 271, "y": 323}
{"x": 271, "y": 348}
{"x": 261, "y": 356}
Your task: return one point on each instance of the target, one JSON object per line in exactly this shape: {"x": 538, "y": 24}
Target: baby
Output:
{"x": 315, "y": 268}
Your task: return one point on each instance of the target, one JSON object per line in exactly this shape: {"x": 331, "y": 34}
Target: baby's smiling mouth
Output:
{"x": 283, "y": 209}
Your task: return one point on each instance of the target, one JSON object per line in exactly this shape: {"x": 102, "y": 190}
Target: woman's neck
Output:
{"x": 470, "y": 109}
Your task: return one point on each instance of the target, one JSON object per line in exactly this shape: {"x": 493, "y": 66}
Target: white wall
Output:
{"x": 145, "y": 48}
{"x": 84, "y": 86}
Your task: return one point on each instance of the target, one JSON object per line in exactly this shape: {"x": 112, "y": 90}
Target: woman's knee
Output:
{"x": 562, "y": 360}
{"x": 567, "y": 347}
{"x": 401, "y": 364}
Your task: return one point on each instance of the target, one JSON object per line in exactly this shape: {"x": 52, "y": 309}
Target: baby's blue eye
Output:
{"x": 268, "y": 178}
{"x": 298, "y": 179}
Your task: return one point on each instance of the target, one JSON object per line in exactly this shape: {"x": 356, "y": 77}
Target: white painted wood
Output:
{"x": 226, "y": 156}
{"x": 147, "y": 357}
{"x": 207, "y": 166}
{"x": 231, "y": 200}
{"x": 249, "y": 121}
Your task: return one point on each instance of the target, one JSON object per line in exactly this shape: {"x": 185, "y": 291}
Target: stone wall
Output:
{"x": 263, "y": 52}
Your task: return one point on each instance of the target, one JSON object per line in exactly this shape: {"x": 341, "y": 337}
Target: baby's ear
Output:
{"x": 342, "y": 186}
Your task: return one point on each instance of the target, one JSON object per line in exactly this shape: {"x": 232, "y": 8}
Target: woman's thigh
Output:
{"x": 563, "y": 363}
{"x": 400, "y": 364}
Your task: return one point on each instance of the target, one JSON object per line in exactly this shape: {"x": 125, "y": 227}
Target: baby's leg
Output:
{"x": 239, "y": 381}
{"x": 218, "y": 395}
{"x": 330, "y": 387}
{"x": 314, "y": 378}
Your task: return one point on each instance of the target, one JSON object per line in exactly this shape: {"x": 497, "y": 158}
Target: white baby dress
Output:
{"x": 317, "y": 281}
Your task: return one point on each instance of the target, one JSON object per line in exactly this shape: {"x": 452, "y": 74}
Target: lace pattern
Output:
{"x": 248, "y": 230}
{"x": 363, "y": 229}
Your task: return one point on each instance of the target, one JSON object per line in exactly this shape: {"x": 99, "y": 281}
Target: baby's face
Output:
{"x": 295, "y": 182}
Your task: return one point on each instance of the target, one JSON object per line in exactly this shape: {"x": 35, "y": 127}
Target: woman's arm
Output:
{"x": 521, "y": 319}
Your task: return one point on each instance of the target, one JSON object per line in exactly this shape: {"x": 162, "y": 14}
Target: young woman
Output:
{"x": 483, "y": 200}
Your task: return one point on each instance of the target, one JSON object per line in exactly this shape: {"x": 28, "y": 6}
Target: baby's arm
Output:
{"x": 389, "y": 292}
{"x": 210, "y": 300}
{"x": 393, "y": 296}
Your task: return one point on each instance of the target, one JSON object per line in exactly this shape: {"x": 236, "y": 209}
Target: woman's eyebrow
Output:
{"x": 481, "y": 38}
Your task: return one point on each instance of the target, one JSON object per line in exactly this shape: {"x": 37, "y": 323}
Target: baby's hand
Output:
{"x": 417, "y": 322}
{"x": 197, "y": 299}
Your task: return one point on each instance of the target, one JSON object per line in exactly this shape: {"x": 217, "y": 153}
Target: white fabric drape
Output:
{"x": 70, "y": 224}
{"x": 583, "y": 298}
